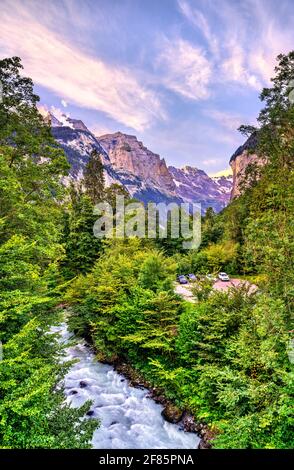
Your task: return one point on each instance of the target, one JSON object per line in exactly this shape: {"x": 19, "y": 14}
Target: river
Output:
{"x": 129, "y": 419}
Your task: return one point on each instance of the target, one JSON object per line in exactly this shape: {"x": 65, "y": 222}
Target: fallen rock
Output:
{"x": 83, "y": 384}
{"x": 73, "y": 392}
{"x": 90, "y": 413}
{"x": 203, "y": 444}
{"x": 189, "y": 423}
{"x": 172, "y": 413}
{"x": 155, "y": 396}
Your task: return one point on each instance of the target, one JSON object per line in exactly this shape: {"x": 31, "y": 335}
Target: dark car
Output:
{"x": 182, "y": 279}
{"x": 192, "y": 277}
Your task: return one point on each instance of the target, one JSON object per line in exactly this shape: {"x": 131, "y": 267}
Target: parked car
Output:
{"x": 223, "y": 277}
{"x": 211, "y": 277}
{"x": 192, "y": 277}
{"x": 182, "y": 279}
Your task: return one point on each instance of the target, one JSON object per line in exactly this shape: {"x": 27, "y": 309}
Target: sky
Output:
{"x": 181, "y": 75}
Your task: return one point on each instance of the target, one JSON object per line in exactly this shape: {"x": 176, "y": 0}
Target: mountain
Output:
{"x": 78, "y": 143}
{"x": 143, "y": 173}
{"x": 224, "y": 184}
{"x": 194, "y": 185}
{"x": 127, "y": 153}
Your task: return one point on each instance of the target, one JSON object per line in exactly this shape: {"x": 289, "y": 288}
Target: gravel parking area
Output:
{"x": 225, "y": 285}
{"x": 185, "y": 289}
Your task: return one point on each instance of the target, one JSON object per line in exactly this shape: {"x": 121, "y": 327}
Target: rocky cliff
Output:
{"x": 78, "y": 143}
{"x": 143, "y": 173}
{"x": 127, "y": 153}
{"x": 240, "y": 162}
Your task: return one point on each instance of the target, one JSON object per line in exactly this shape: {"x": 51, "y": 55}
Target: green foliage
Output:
{"x": 81, "y": 247}
{"x": 222, "y": 256}
{"x": 211, "y": 228}
{"x": 94, "y": 180}
{"x": 156, "y": 272}
{"x": 224, "y": 357}
{"x": 128, "y": 300}
{"x": 33, "y": 413}
{"x": 32, "y": 408}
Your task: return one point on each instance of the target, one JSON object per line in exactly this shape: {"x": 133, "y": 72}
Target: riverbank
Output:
{"x": 170, "y": 413}
{"x": 129, "y": 416}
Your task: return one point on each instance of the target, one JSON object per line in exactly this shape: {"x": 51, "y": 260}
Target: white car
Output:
{"x": 223, "y": 277}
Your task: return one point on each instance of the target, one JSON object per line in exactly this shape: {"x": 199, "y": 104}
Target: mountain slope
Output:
{"x": 78, "y": 143}
{"x": 127, "y": 153}
{"x": 195, "y": 185}
{"x": 143, "y": 173}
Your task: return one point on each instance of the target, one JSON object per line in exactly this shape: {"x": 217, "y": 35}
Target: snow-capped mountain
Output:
{"x": 224, "y": 183}
{"x": 143, "y": 173}
{"x": 194, "y": 185}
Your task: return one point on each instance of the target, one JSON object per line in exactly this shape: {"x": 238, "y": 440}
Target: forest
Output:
{"x": 225, "y": 357}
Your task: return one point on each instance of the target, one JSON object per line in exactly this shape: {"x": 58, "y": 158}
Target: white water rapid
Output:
{"x": 129, "y": 420}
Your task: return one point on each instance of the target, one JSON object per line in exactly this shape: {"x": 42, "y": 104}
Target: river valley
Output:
{"x": 129, "y": 418}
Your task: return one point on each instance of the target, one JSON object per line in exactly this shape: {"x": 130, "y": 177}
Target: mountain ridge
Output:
{"x": 143, "y": 173}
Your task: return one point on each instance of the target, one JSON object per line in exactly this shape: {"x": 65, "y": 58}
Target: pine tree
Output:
{"x": 81, "y": 246}
{"x": 94, "y": 180}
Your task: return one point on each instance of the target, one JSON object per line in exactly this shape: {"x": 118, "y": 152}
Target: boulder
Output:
{"x": 203, "y": 444}
{"x": 172, "y": 413}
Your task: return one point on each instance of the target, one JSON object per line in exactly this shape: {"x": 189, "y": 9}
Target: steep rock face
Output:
{"x": 194, "y": 185}
{"x": 78, "y": 143}
{"x": 240, "y": 161}
{"x": 129, "y": 163}
{"x": 127, "y": 153}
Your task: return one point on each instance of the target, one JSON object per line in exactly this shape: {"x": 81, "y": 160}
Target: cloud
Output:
{"x": 73, "y": 74}
{"x": 243, "y": 38}
{"x": 60, "y": 115}
{"x": 227, "y": 120}
{"x": 185, "y": 69}
{"x": 234, "y": 68}
{"x": 210, "y": 161}
{"x": 199, "y": 21}
{"x": 64, "y": 103}
{"x": 226, "y": 53}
